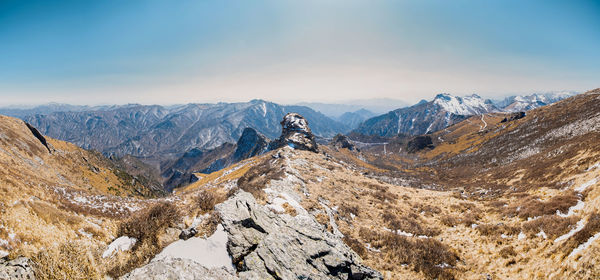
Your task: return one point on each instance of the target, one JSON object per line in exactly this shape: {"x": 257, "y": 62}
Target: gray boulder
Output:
{"x": 295, "y": 133}
{"x": 265, "y": 245}
{"x": 175, "y": 268}
{"x": 19, "y": 268}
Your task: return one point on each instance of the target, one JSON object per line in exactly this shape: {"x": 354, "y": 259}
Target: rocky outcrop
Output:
{"x": 40, "y": 137}
{"x": 295, "y": 133}
{"x": 175, "y": 268}
{"x": 419, "y": 143}
{"x": 265, "y": 245}
{"x": 513, "y": 117}
{"x": 343, "y": 142}
{"x": 19, "y": 268}
{"x": 250, "y": 144}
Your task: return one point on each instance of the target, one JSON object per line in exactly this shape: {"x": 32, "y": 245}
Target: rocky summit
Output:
{"x": 271, "y": 246}
{"x": 295, "y": 133}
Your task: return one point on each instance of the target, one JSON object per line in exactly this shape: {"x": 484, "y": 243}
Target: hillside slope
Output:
{"x": 53, "y": 192}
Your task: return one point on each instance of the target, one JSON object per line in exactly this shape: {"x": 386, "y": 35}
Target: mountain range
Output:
{"x": 445, "y": 110}
{"x": 155, "y": 133}
{"x": 505, "y": 196}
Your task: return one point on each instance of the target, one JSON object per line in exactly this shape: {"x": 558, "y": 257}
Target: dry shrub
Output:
{"x": 554, "y": 226}
{"x": 449, "y": 220}
{"x": 206, "y": 200}
{"x": 411, "y": 224}
{"x": 51, "y": 215}
{"x": 346, "y": 209}
{"x": 497, "y": 230}
{"x": 425, "y": 255}
{"x": 70, "y": 260}
{"x": 531, "y": 206}
{"x": 384, "y": 195}
{"x": 469, "y": 218}
{"x": 356, "y": 246}
{"x": 289, "y": 209}
{"x": 145, "y": 226}
{"x": 258, "y": 177}
{"x": 209, "y": 225}
{"x": 508, "y": 251}
{"x": 427, "y": 208}
{"x": 496, "y": 204}
{"x": 590, "y": 229}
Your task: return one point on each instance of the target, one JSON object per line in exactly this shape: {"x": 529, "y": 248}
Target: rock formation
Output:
{"x": 295, "y": 133}
{"x": 343, "y": 142}
{"x": 19, "y": 268}
{"x": 265, "y": 245}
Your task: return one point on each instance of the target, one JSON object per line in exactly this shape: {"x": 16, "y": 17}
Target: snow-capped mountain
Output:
{"x": 445, "y": 110}
{"x": 528, "y": 102}
{"x": 468, "y": 105}
{"x": 425, "y": 117}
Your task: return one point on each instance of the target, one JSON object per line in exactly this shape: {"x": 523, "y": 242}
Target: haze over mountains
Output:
{"x": 494, "y": 194}
{"x": 445, "y": 110}
{"x": 173, "y": 142}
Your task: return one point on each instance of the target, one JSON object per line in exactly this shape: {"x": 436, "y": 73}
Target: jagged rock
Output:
{"x": 40, "y": 137}
{"x": 419, "y": 143}
{"x": 295, "y": 133}
{"x": 343, "y": 142}
{"x": 265, "y": 245}
{"x": 250, "y": 144}
{"x": 175, "y": 268}
{"x": 19, "y": 268}
{"x": 513, "y": 116}
{"x": 188, "y": 233}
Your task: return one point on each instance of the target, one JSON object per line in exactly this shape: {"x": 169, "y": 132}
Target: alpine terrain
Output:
{"x": 505, "y": 196}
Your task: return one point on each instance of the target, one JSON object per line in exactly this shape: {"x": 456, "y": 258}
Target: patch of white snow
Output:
{"x": 579, "y": 227}
{"x": 577, "y": 207}
{"x": 210, "y": 252}
{"x": 123, "y": 243}
{"x": 585, "y": 245}
{"x": 542, "y": 234}
{"x": 586, "y": 185}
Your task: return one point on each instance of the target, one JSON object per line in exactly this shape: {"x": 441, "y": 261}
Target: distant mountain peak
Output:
{"x": 468, "y": 105}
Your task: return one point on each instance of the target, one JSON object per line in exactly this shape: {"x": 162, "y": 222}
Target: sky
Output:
{"x": 168, "y": 52}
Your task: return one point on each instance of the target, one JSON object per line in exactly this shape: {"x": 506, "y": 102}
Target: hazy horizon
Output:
{"x": 156, "y": 52}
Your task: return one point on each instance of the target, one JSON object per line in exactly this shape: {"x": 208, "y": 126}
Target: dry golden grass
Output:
{"x": 255, "y": 179}
{"x": 531, "y": 206}
{"x": 145, "y": 226}
{"x": 71, "y": 260}
{"x": 554, "y": 226}
{"x": 592, "y": 227}
{"x": 425, "y": 255}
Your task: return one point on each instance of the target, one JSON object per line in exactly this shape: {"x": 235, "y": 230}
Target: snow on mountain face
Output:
{"x": 468, "y": 105}
{"x": 528, "y": 102}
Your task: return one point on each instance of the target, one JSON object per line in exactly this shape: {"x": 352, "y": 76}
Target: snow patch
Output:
{"x": 586, "y": 185}
{"x": 521, "y": 236}
{"x": 579, "y": 227}
{"x": 597, "y": 165}
{"x": 84, "y": 233}
{"x": 210, "y": 252}
{"x": 542, "y": 234}
{"x": 3, "y": 254}
{"x": 577, "y": 207}
{"x": 123, "y": 243}
{"x": 585, "y": 245}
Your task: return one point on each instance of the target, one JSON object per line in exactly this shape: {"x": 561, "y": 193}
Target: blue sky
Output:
{"x": 91, "y": 52}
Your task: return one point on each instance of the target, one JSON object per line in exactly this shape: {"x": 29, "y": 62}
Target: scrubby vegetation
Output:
{"x": 427, "y": 255}
{"x": 591, "y": 227}
{"x": 258, "y": 176}
{"x": 531, "y": 206}
{"x": 553, "y": 225}
{"x": 145, "y": 226}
